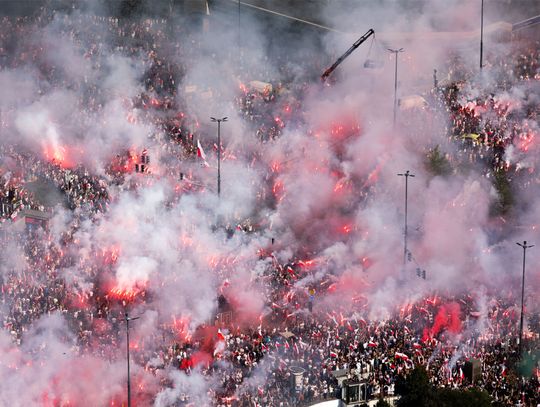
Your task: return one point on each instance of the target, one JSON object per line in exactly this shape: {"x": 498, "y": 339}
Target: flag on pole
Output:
{"x": 200, "y": 153}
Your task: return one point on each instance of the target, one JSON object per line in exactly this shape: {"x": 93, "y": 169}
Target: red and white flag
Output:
{"x": 200, "y": 153}
{"x": 401, "y": 356}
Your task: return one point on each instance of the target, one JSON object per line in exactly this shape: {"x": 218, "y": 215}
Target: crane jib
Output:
{"x": 362, "y": 39}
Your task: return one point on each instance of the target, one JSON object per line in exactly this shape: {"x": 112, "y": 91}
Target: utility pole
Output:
{"x": 525, "y": 247}
{"x": 406, "y": 174}
{"x": 481, "y": 33}
{"x": 239, "y": 36}
{"x": 224, "y": 119}
{"x": 395, "y": 52}
{"x": 127, "y": 319}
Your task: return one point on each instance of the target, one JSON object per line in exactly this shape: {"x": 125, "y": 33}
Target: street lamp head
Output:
{"x": 224, "y": 119}
{"x": 524, "y": 245}
{"x": 395, "y": 51}
{"x": 213, "y": 119}
{"x": 128, "y": 318}
{"x": 406, "y": 174}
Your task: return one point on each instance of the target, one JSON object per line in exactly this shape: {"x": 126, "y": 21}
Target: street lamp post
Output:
{"x": 481, "y": 33}
{"x": 406, "y": 174}
{"x": 223, "y": 119}
{"x": 239, "y": 45}
{"x": 395, "y": 51}
{"x": 127, "y": 319}
{"x": 525, "y": 247}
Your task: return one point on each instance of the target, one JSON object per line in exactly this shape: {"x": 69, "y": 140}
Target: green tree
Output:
{"x": 415, "y": 390}
{"x": 463, "y": 398}
{"x": 437, "y": 164}
{"x": 501, "y": 183}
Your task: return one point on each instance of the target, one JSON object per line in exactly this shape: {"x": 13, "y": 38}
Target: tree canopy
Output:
{"x": 416, "y": 391}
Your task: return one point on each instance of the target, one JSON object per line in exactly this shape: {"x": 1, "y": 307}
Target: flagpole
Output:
{"x": 481, "y": 33}
{"x": 525, "y": 247}
{"x": 406, "y": 174}
{"x": 224, "y": 119}
{"x": 127, "y": 319}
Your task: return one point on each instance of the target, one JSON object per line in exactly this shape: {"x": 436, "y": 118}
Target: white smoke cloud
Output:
{"x": 337, "y": 197}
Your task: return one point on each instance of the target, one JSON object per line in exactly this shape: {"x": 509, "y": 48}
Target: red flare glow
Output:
{"x": 181, "y": 327}
{"x": 337, "y": 129}
{"x": 447, "y": 319}
{"x": 373, "y": 176}
{"x": 525, "y": 141}
{"x": 278, "y": 190}
{"x": 339, "y": 185}
{"x": 124, "y": 294}
{"x": 308, "y": 264}
{"x": 279, "y": 122}
{"x": 58, "y": 155}
{"x": 366, "y": 262}
{"x": 124, "y": 163}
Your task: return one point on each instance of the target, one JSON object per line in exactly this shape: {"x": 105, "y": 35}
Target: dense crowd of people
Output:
{"x": 441, "y": 332}
{"x": 487, "y": 124}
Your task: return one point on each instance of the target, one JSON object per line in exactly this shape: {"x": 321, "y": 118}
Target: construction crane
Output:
{"x": 359, "y": 42}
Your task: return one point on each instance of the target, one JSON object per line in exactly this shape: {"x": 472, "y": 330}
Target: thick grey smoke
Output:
{"x": 326, "y": 190}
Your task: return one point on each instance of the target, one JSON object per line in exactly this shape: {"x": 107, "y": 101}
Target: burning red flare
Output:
{"x": 124, "y": 293}
{"x": 58, "y": 155}
{"x": 181, "y": 327}
{"x": 447, "y": 319}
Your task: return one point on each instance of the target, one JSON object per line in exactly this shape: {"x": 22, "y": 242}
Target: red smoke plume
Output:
{"x": 447, "y": 319}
